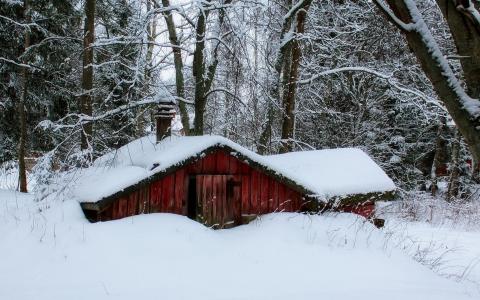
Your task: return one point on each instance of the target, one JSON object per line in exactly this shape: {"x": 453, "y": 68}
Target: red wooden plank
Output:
{"x": 146, "y": 201}
{"x": 151, "y": 198}
{"x": 207, "y": 200}
{"x": 200, "y": 197}
{"x": 270, "y": 189}
{"x": 264, "y": 194}
{"x": 226, "y": 201}
{"x": 163, "y": 196}
{"x": 223, "y": 162}
{"x": 237, "y": 198}
{"x": 141, "y": 200}
{"x": 115, "y": 210}
{"x": 155, "y": 197}
{"x": 243, "y": 168}
{"x": 132, "y": 203}
{"x": 140, "y": 197}
{"x": 216, "y": 198}
{"x": 118, "y": 213}
{"x": 209, "y": 164}
{"x": 255, "y": 192}
{"x": 122, "y": 207}
{"x": 229, "y": 200}
{"x": 168, "y": 197}
{"x": 186, "y": 179}
{"x": 234, "y": 165}
{"x": 245, "y": 208}
{"x": 289, "y": 198}
{"x": 195, "y": 167}
{"x": 281, "y": 197}
{"x": 179, "y": 191}
{"x": 221, "y": 200}
{"x": 273, "y": 194}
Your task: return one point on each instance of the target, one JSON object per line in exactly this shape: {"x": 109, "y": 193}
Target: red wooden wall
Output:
{"x": 256, "y": 192}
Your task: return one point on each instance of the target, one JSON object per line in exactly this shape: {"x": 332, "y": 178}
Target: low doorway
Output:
{"x": 215, "y": 200}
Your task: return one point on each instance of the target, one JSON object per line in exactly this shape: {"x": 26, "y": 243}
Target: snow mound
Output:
{"x": 49, "y": 251}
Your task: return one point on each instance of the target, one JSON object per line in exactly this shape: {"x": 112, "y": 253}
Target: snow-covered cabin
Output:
{"x": 222, "y": 184}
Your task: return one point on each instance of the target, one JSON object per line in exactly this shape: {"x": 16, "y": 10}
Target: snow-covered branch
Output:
{"x": 391, "y": 15}
{"x": 472, "y": 106}
{"x": 388, "y": 77}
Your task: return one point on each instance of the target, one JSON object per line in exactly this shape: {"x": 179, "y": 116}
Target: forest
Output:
{"x": 83, "y": 80}
{"x": 398, "y": 79}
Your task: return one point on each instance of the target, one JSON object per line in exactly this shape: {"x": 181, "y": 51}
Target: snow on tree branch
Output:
{"x": 472, "y": 106}
{"x": 388, "y": 77}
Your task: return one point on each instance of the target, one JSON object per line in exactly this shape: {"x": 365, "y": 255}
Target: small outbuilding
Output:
{"x": 222, "y": 184}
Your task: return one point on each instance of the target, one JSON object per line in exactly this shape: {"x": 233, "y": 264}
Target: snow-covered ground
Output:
{"x": 49, "y": 251}
{"x": 9, "y": 176}
{"x": 442, "y": 235}
{"x": 452, "y": 252}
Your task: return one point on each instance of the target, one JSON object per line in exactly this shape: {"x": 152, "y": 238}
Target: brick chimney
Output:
{"x": 164, "y": 116}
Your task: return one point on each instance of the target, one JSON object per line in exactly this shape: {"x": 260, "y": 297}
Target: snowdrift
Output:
{"x": 49, "y": 251}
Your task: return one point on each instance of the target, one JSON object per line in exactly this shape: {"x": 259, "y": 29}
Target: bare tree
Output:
{"x": 285, "y": 68}
{"x": 87, "y": 72}
{"x": 288, "y": 123}
{"x": 204, "y": 74}
{"x": 178, "y": 63}
{"x": 22, "y": 173}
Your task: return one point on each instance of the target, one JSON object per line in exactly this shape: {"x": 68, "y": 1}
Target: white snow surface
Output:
{"x": 48, "y": 251}
{"x": 334, "y": 172}
{"x": 326, "y": 173}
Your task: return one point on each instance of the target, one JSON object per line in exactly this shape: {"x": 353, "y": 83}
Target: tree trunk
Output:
{"x": 202, "y": 74}
{"x": 288, "y": 124}
{"x": 454, "y": 181}
{"x": 151, "y": 34}
{"x": 177, "y": 60}
{"x": 284, "y": 53}
{"x": 266, "y": 135}
{"x": 440, "y": 157}
{"x": 22, "y": 172}
{"x": 466, "y": 35}
{"x": 434, "y": 67}
{"x": 198, "y": 70}
{"x": 87, "y": 73}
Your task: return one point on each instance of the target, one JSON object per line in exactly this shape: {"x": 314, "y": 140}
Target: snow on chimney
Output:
{"x": 164, "y": 116}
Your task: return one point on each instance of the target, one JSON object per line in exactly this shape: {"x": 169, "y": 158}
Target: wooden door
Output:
{"x": 219, "y": 200}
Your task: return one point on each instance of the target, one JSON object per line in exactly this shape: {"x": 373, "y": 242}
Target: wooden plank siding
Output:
{"x": 253, "y": 192}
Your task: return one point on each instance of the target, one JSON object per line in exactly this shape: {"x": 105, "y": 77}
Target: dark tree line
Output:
{"x": 80, "y": 78}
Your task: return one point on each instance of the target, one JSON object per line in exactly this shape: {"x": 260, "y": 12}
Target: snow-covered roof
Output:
{"x": 324, "y": 173}
{"x": 334, "y": 172}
